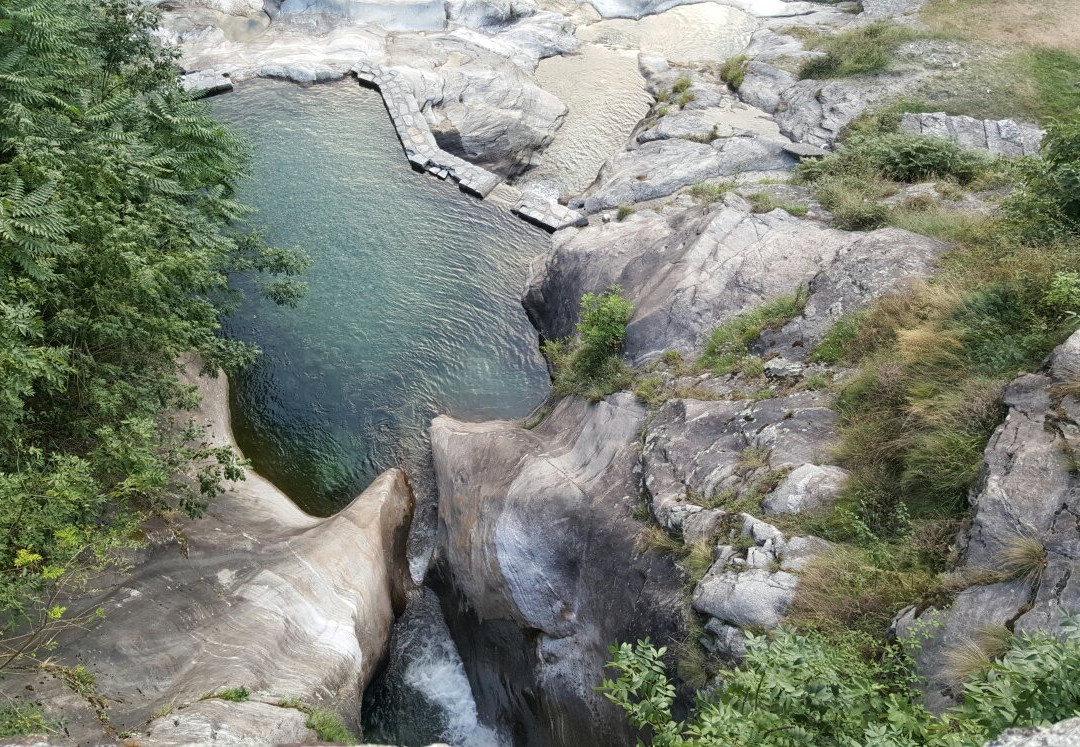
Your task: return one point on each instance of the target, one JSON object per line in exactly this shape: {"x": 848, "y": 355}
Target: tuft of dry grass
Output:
{"x": 1023, "y": 557}
{"x": 974, "y": 655}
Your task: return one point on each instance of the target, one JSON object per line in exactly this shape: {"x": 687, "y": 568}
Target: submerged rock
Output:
{"x": 538, "y": 556}
{"x": 256, "y": 595}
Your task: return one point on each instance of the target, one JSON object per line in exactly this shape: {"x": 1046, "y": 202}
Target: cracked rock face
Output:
{"x": 701, "y": 447}
{"x": 685, "y": 273}
{"x": 538, "y": 548}
{"x": 880, "y": 263}
{"x": 1027, "y": 493}
{"x": 258, "y": 595}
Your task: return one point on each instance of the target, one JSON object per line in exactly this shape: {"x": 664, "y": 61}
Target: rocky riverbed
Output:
{"x": 537, "y": 565}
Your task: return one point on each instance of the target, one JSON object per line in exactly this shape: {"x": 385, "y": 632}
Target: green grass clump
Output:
{"x": 729, "y": 343}
{"x": 233, "y": 694}
{"x": 624, "y": 211}
{"x": 685, "y": 98}
{"x": 682, "y": 84}
{"x": 652, "y": 391}
{"x": 763, "y": 202}
{"x": 864, "y": 50}
{"x": 838, "y": 343}
{"x": 329, "y": 726}
{"x": 733, "y": 71}
{"x": 711, "y": 192}
{"x": 20, "y": 720}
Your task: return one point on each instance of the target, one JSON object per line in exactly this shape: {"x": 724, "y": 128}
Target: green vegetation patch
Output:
{"x": 808, "y": 689}
{"x": 329, "y": 726}
{"x": 864, "y": 50}
{"x": 19, "y": 720}
{"x": 728, "y": 346}
{"x": 591, "y": 364}
{"x": 733, "y": 71}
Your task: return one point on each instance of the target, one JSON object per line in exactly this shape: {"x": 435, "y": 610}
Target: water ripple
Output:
{"x": 413, "y": 306}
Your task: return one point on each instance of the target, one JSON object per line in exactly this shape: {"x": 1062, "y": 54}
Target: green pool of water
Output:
{"x": 413, "y": 306}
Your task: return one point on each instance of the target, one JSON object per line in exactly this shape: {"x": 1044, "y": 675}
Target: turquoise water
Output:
{"x": 413, "y": 307}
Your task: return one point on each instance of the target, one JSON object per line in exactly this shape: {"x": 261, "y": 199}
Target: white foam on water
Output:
{"x": 438, "y": 673}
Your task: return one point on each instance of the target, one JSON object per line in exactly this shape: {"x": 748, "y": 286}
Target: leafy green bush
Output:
{"x": 1047, "y": 206}
{"x": 733, "y": 71}
{"x": 592, "y": 364}
{"x": 799, "y": 690}
{"x": 17, "y": 721}
{"x": 864, "y": 50}
{"x": 900, "y": 157}
{"x": 119, "y": 233}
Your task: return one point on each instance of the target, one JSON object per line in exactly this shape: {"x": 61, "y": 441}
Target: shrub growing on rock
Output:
{"x": 592, "y": 363}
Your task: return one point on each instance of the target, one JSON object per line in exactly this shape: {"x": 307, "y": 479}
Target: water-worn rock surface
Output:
{"x": 538, "y": 547}
{"x": 307, "y": 602}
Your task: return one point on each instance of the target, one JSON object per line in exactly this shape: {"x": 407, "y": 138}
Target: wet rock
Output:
{"x": 538, "y": 555}
{"x": 807, "y": 487}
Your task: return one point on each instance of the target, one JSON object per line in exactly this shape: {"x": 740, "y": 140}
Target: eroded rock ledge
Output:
{"x": 256, "y": 594}
{"x": 537, "y": 545}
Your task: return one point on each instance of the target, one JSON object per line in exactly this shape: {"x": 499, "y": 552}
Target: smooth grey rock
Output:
{"x": 660, "y": 168}
{"x": 805, "y": 150}
{"x": 259, "y": 595}
{"x": 686, "y": 273}
{"x": 392, "y": 15}
{"x": 1062, "y": 734}
{"x": 807, "y": 487}
{"x": 207, "y": 83}
{"x": 798, "y": 551}
{"x": 728, "y": 641}
{"x": 753, "y": 597}
{"x": 488, "y": 13}
{"x": 537, "y": 542}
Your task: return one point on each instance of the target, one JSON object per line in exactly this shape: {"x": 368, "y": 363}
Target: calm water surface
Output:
{"x": 413, "y": 306}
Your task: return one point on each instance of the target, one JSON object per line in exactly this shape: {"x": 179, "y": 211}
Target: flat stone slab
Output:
{"x": 1003, "y": 137}
{"x": 804, "y": 150}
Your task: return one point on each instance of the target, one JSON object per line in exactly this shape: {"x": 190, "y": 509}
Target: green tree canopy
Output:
{"x": 119, "y": 231}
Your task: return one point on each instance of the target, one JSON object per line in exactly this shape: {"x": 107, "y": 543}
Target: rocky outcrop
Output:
{"x": 660, "y": 168}
{"x": 698, "y": 449}
{"x": 881, "y": 263}
{"x": 1002, "y": 137}
{"x": 537, "y": 546}
{"x": 255, "y": 594}
{"x": 1026, "y": 506}
{"x": 691, "y": 270}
